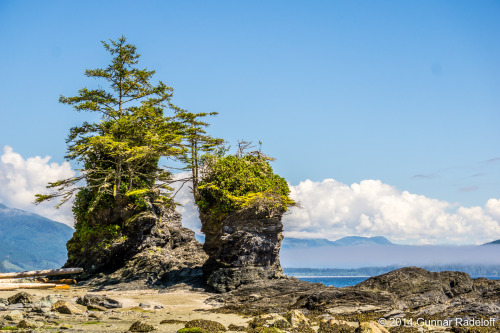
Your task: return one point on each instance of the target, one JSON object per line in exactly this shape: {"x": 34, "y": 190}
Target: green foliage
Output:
{"x": 196, "y": 143}
{"x": 120, "y": 153}
{"x": 231, "y": 183}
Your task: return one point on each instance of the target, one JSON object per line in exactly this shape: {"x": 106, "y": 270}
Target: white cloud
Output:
{"x": 333, "y": 210}
{"x": 190, "y": 217}
{"x": 330, "y": 209}
{"x": 21, "y": 179}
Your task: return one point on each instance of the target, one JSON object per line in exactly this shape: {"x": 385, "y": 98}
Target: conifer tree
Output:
{"x": 120, "y": 153}
{"x": 196, "y": 143}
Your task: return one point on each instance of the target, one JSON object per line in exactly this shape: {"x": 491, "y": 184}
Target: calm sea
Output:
{"x": 346, "y": 281}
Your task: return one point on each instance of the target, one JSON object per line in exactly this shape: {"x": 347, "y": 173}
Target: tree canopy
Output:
{"x": 234, "y": 182}
{"x": 120, "y": 153}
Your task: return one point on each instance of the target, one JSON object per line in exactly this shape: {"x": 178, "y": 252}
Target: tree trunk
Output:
{"x": 14, "y": 286}
{"x": 41, "y": 273}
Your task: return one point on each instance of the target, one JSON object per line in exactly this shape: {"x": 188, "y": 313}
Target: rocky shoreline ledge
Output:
{"x": 406, "y": 300}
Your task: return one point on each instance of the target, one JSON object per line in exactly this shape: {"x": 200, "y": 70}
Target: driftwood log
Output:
{"x": 41, "y": 273}
{"x": 14, "y": 286}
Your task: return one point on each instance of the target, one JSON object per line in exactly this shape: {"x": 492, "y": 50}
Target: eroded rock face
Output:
{"x": 242, "y": 248}
{"x": 152, "y": 249}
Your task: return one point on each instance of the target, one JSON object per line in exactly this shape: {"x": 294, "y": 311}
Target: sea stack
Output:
{"x": 241, "y": 203}
{"x": 146, "y": 248}
{"x": 243, "y": 248}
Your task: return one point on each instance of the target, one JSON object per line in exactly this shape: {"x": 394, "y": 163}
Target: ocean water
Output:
{"x": 336, "y": 281}
{"x": 347, "y": 281}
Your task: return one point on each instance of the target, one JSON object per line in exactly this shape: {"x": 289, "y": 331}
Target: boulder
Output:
{"x": 22, "y": 297}
{"x": 206, "y": 325}
{"x": 27, "y": 324}
{"x": 296, "y": 318}
{"x": 98, "y": 300}
{"x": 140, "y": 326}
{"x": 65, "y": 307}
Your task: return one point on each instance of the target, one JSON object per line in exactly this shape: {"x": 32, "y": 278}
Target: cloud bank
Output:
{"x": 333, "y": 210}
{"x": 21, "y": 179}
{"x": 330, "y": 209}
{"x": 381, "y": 255}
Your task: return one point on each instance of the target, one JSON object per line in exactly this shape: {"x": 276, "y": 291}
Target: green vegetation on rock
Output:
{"x": 233, "y": 182}
{"x": 119, "y": 154}
{"x": 204, "y": 326}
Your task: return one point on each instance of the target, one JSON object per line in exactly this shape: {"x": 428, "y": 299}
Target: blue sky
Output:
{"x": 402, "y": 92}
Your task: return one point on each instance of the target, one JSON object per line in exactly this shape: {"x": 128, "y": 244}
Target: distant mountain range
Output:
{"x": 30, "y": 241}
{"x": 288, "y": 243}
{"x": 473, "y": 270}
{"x": 497, "y": 242}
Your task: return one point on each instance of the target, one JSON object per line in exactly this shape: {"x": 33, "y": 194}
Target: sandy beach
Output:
{"x": 149, "y": 306}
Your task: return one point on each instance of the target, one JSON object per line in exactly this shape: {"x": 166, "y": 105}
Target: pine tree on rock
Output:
{"x": 125, "y": 219}
{"x": 120, "y": 153}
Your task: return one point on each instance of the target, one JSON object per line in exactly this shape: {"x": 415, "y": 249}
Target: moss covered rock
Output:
{"x": 241, "y": 203}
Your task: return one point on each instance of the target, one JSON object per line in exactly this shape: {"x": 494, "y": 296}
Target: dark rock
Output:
{"x": 233, "y": 327}
{"x": 101, "y": 301}
{"x": 403, "y": 293}
{"x": 22, "y": 297}
{"x": 26, "y": 324}
{"x": 284, "y": 294}
{"x": 140, "y": 326}
{"x": 335, "y": 326}
{"x": 420, "y": 287}
{"x": 144, "y": 305}
{"x": 151, "y": 249}
{"x": 40, "y": 310}
{"x": 92, "y": 307}
{"x": 172, "y": 321}
{"x": 208, "y": 326}
{"x": 242, "y": 248}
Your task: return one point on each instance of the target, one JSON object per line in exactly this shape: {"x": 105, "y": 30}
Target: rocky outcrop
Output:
{"x": 406, "y": 292}
{"x": 151, "y": 248}
{"x": 242, "y": 248}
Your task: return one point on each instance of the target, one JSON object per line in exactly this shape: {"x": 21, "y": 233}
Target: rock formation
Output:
{"x": 151, "y": 248}
{"x": 408, "y": 292}
{"x": 242, "y": 248}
